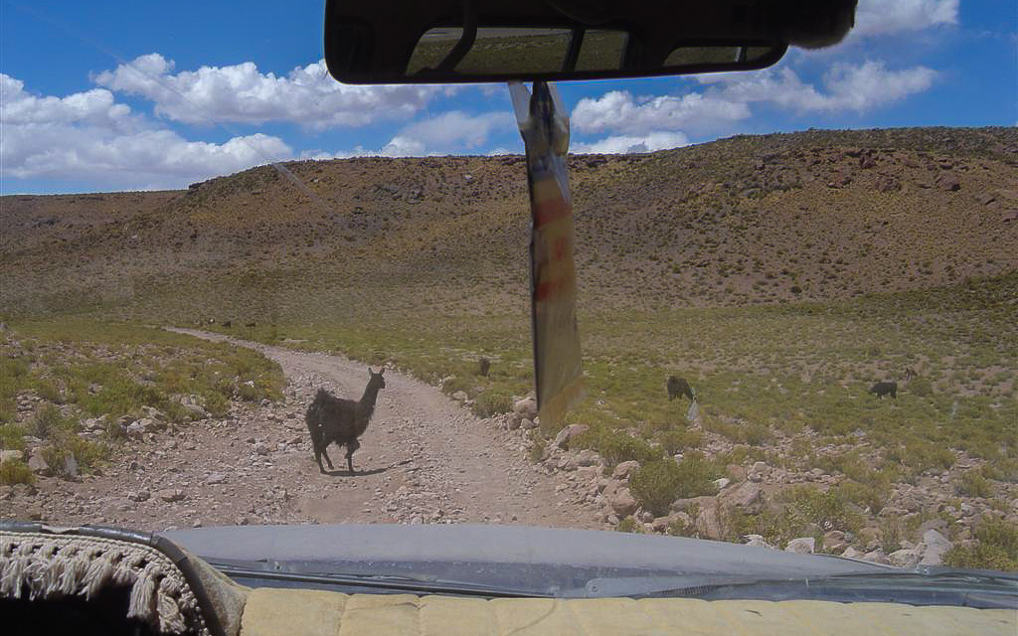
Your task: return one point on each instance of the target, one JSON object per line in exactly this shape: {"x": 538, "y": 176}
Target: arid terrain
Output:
{"x": 781, "y": 275}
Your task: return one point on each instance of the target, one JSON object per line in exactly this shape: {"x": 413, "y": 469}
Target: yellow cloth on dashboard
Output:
{"x": 317, "y": 613}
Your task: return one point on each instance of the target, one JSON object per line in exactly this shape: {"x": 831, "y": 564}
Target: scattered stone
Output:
{"x": 215, "y": 478}
{"x": 526, "y": 408}
{"x": 722, "y": 482}
{"x": 936, "y": 546}
{"x": 624, "y": 469}
{"x": 747, "y": 496}
{"x": 460, "y": 396}
{"x": 623, "y": 503}
{"x": 10, "y": 455}
{"x": 948, "y": 183}
{"x": 70, "y": 467}
{"x": 37, "y": 464}
{"x": 588, "y": 457}
{"x": 904, "y": 558}
{"x": 528, "y": 423}
{"x": 708, "y": 522}
{"x": 852, "y": 553}
{"x": 756, "y": 473}
{"x": 834, "y": 541}
{"x": 170, "y": 495}
{"x": 801, "y": 545}
{"x": 757, "y": 541}
{"x": 567, "y": 434}
{"x": 876, "y": 556}
{"x": 141, "y": 495}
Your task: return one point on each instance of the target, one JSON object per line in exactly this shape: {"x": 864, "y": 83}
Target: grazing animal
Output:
{"x": 249, "y": 324}
{"x": 485, "y": 365}
{"x": 679, "y": 386}
{"x": 227, "y": 323}
{"x": 880, "y": 389}
{"x": 331, "y": 419}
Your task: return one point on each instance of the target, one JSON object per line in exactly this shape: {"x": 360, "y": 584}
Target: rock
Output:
{"x": 170, "y": 495}
{"x": 528, "y": 423}
{"x": 756, "y": 473}
{"x": 747, "y": 496}
{"x": 904, "y": 558}
{"x": 708, "y": 522}
{"x": 37, "y": 464}
{"x": 948, "y": 183}
{"x": 568, "y": 433}
{"x": 834, "y": 541}
{"x": 141, "y": 495}
{"x": 852, "y": 553}
{"x": 645, "y": 516}
{"x": 887, "y": 184}
{"x": 802, "y": 545}
{"x": 526, "y": 408}
{"x": 460, "y": 396}
{"x": 10, "y": 455}
{"x": 876, "y": 556}
{"x": 625, "y": 469}
{"x": 70, "y": 467}
{"x": 588, "y": 457}
{"x": 985, "y": 198}
{"x": 623, "y": 503}
{"x": 215, "y": 478}
{"x": 261, "y": 448}
{"x": 722, "y": 482}
{"x": 757, "y": 541}
{"x": 936, "y": 546}
{"x": 514, "y": 421}
{"x": 568, "y": 463}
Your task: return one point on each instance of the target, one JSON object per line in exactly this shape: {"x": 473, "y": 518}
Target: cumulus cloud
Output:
{"x": 845, "y": 87}
{"x": 620, "y": 111}
{"x": 620, "y": 144}
{"x": 88, "y": 136}
{"x": 642, "y": 124}
{"x": 241, "y": 93}
{"x": 882, "y": 17}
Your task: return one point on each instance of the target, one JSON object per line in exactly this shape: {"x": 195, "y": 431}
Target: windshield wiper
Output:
{"x": 935, "y": 586}
{"x": 391, "y": 582}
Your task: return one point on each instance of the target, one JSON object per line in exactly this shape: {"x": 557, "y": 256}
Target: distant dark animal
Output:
{"x": 485, "y": 366}
{"x": 227, "y": 323}
{"x": 910, "y": 374}
{"x": 880, "y": 389}
{"x": 249, "y": 324}
{"x": 679, "y": 386}
{"x": 331, "y": 419}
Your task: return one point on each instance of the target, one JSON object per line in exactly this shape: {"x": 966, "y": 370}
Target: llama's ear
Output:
{"x": 381, "y": 371}
{"x": 370, "y": 371}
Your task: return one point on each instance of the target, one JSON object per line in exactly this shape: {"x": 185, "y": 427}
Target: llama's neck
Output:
{"x": 369, "y": 397}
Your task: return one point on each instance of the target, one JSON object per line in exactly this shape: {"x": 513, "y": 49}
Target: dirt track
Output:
{"x": 423, "y": 459}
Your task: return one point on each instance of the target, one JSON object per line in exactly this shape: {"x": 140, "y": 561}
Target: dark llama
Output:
{"x": 331, "y": 419}
{"x": 679, "y": 386}
{"x": 880, "y": 389}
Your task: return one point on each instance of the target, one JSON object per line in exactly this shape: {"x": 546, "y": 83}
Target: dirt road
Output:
{"x": 423, "y": 459}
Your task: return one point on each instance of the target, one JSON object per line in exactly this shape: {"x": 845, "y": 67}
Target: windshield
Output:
{"x": 236, "y": 292}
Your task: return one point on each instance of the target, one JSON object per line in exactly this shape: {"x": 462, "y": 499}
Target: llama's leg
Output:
{"x": 326, "y": 455}
{"x": 351, "y": 446}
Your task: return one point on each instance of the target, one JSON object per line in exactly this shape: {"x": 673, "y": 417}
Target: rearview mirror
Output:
{"x": 443, "y": 41}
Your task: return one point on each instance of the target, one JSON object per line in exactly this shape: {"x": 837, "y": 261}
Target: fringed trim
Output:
{"x": 46, "y": 566}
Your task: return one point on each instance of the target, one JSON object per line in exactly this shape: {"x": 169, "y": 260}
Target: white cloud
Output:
{"x": 847, "y": 87}
{"x": 87, "y": 136}
{"x": 241, "y": 93}
{"x": 620, "y": 144}
{"x": 882, "y": 17}
{"x": 453, "y": 131}
{"x": 620, "y": 111}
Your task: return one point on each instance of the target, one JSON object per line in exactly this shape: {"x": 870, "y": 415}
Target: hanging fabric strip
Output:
{"x": 544, "y": 126}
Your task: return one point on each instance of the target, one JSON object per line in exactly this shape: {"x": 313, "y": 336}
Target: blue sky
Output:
{"x": 142, "y": 95}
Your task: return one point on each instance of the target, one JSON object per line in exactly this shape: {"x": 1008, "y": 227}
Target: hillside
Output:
{"x": 818, "y": 215}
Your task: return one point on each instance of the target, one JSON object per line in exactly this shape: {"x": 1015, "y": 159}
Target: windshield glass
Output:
{"x": 237, "y": 292}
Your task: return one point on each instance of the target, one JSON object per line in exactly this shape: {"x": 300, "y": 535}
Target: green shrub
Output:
{"x": 997, "y": 548}
{"x": 12, "y": 437}
{"x": 15, "y": 471}
{"x": 48, "y": 421}
{"x": 629, "y": 524}
{"x": 921, "y": 387}
{"x": 656, "y": 484}
{"x": 492, "y": 402}
{"x": 973, "y": 484}
{"x": 679, "y": 440}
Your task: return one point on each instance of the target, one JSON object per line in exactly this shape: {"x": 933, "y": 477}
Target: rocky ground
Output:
{"x": 426, "y": 459}
{"x": 423, "y": 459}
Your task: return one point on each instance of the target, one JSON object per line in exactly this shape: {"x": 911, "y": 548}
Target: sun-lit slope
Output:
{"x": 814, "y": 215}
